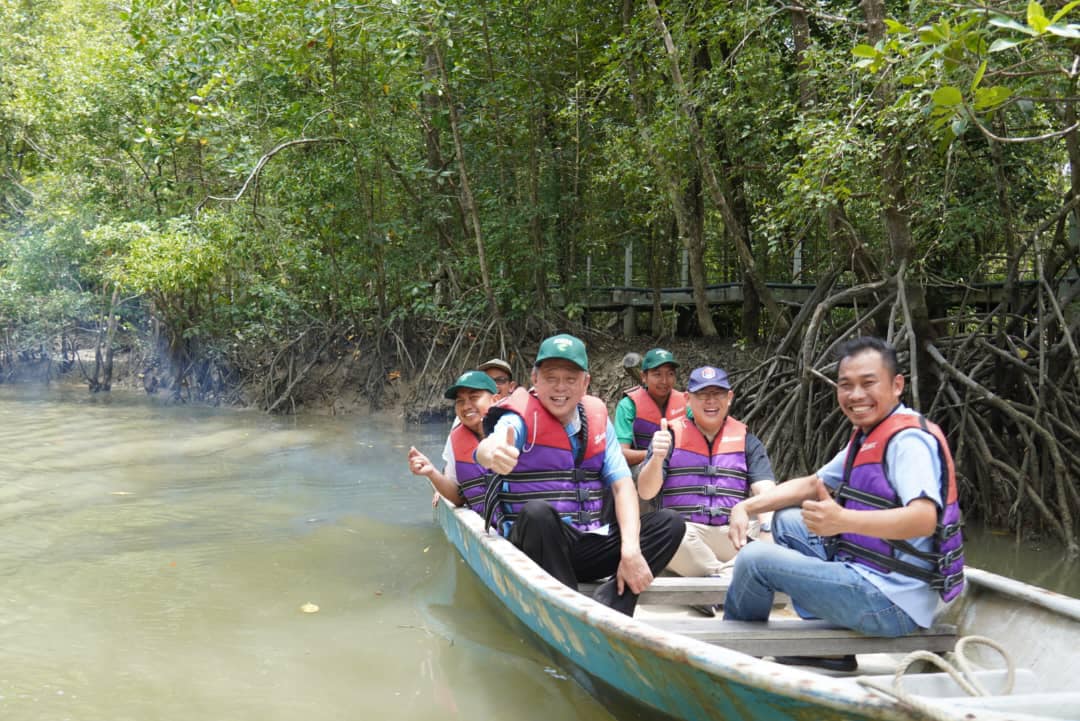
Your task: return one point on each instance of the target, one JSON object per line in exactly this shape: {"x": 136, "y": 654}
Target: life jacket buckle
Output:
{"x": 711, "y": 490}
{"x": 950, "y": 582}
{"x": 711, "y": 471}
{"x": 582, "y": 494}
{"x": 949, "y": 531}
{"x": 948, "y": 558}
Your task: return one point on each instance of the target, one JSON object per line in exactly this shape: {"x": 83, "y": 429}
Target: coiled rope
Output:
{"x": 959, "y": 671}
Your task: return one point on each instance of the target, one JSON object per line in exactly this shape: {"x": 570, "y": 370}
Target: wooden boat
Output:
{"x": 706, "y": 668}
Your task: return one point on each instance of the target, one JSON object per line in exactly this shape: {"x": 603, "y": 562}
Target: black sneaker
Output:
{"x": 709, "y": 611}
{"x": 831, "y": 663}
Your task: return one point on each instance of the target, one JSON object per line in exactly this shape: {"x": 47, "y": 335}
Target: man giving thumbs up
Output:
{"x": 553, "y": 451}
{"x": 700, "y": 468}
{"x": 872, "y": 539}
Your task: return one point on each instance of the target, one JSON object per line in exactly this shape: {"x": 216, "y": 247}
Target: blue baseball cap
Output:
{"x": 706, "y": 376}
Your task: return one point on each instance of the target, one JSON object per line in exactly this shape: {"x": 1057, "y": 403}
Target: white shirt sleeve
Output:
{"x": 449, "y": 466}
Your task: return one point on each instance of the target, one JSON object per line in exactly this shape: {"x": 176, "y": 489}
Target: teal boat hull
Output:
{"x": 672, "y": 674}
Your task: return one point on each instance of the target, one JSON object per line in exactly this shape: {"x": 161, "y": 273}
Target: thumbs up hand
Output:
{"x": 661, "y": 440}
{"x": 499, "y": 453}
{"x": 824, "y": 516}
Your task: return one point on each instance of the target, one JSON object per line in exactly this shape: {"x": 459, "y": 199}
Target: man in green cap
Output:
{"x": 554, "y": 451}
{"x": 638, "y": 414}
{"x": 461, "y": 481}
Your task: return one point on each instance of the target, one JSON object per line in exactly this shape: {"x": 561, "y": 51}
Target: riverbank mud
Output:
{"x": 355, "y": 384}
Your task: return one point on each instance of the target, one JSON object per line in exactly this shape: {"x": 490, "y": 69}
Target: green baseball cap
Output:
{"x": 656, "y": 358}
{"x": 478, "y": 380}
{"x": 566, "y": 347}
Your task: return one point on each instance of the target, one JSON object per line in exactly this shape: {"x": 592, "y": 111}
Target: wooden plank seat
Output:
{"x": 683, "y": 591}
{"x": 796, "y": 637}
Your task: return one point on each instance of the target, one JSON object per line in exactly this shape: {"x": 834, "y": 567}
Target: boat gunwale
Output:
{"x": 1044, "y": 598}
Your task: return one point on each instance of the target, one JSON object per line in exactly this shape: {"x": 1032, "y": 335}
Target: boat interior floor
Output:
{"x": 786, "y": 634}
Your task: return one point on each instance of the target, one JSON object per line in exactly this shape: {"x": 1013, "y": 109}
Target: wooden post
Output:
{"x": 629, "y": 314}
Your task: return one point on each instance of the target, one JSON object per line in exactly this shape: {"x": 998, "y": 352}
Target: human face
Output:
{"x": 502, "y": 381}
{"x": 710, "y": 406}
{"x": 659, "y": 381}
{"x": 865, "y": 389}
{"x": 560, "y": 386}
{"x": 471, "y": 405}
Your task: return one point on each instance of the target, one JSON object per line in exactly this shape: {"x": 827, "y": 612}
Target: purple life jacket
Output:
{"x": 547, "y": 469}
{"x": 702, "y": 482}
{"x": 471, "y": 476}
{"x": 866, "y": 486}
{"x": 647, "y": 414}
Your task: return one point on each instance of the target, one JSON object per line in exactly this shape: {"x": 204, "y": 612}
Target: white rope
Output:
{"x": 960, "y": 671}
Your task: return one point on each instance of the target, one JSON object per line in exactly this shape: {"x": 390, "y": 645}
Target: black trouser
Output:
{"x": 571, "y": 555}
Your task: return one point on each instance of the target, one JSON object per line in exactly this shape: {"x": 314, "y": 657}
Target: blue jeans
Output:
{"x": 798, "y": 564}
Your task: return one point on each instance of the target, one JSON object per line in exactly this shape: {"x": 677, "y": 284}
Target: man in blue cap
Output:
{"x": 701, "y": 467}
{"x": 554, "y": 451}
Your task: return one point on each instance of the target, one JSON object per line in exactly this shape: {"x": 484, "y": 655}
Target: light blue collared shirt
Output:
{"x": 914, "y": 470}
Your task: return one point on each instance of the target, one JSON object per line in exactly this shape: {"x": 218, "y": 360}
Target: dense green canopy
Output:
{"x": 263, "y": 181}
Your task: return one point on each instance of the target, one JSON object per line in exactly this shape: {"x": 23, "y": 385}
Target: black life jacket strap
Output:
{"x": 709, "y": 471}
{"x": 847, "y": 492}
{"x": 478, "y": 482}
{"x": 710, "y": 511}
{"x": 935, "y": 576}
{"x": 709, "y": 491}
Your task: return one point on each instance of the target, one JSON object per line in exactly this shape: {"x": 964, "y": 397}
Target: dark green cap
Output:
{"x": 566, "y": 347}
{"x": 478, "y": 380}
{"x": 656, "y": 358}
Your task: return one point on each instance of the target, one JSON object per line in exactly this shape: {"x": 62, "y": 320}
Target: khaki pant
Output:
{"x": 706, "y": 550}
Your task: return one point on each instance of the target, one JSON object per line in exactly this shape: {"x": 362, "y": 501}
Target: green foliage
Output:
{"x": 137, "y": 146}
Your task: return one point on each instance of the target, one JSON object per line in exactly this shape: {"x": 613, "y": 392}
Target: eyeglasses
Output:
{"x": 501, "y": 380}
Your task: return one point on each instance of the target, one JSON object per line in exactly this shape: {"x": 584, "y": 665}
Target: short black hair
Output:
{"x": 855, "y": 346}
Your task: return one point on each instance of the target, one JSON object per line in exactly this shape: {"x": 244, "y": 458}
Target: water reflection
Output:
{"x": 1042, "y": 563}
{"x": 154, "y": 562}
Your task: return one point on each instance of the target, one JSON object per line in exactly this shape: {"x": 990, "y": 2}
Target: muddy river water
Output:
{"x": 180, "y": 563}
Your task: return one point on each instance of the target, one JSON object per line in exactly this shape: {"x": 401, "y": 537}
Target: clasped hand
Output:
{"x": 633, "y": 573}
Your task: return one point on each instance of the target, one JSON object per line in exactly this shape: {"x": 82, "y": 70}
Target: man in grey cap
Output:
{"x": 500, "y": 372}
{"x": 554, "y": 451}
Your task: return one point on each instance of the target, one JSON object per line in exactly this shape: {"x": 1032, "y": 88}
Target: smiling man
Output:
{"x": 500, "y": 372}
{"x": 639, "y": 412}
{"x": 462, "y": 480}
{"x": 702, "y": 466}
{"x": 877, "y": 539}
{"x": 554, "y": 451}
